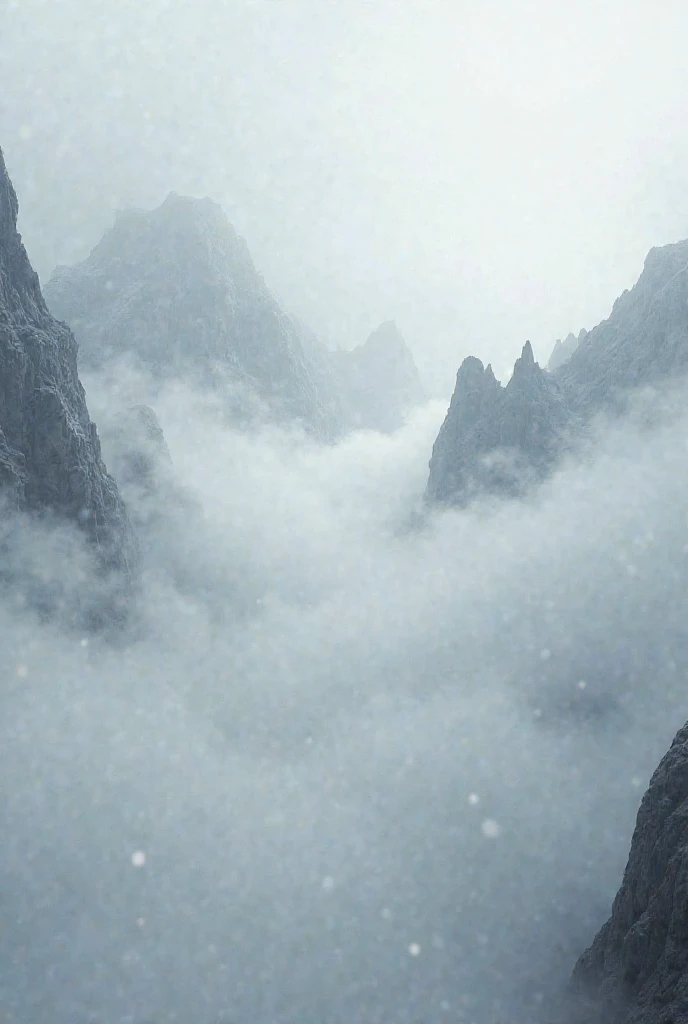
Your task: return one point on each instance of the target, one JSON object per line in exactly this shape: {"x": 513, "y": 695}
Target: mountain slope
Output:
{"x": 50, "y": 456}
{"x": 497, "y": 439}
{"x": 643, "y": 342}
{"x": 177, "y": 288}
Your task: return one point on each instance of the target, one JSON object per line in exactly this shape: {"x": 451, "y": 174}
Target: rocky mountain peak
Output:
{"x": 496, "y": 439}
{"x": 643, "y": 342}
{"x": 526, "y": 360}
{"x": 175, "y": 287}
{"x": 471, "y": 369}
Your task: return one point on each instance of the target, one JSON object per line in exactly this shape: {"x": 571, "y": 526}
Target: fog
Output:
{"x": 482, "y": 173}
{"x": 351, "y": 761}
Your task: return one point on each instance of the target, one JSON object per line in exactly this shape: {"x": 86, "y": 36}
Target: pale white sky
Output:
{"x": 481, "y": 172}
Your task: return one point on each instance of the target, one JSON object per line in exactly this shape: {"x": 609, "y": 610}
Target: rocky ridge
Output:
{"x": 643, "y": 343}
{"x": 494, "y": 438}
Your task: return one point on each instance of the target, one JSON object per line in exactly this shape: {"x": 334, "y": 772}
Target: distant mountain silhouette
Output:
{"x": 499, "y": 440}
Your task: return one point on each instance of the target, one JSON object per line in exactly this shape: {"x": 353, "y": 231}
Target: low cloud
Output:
{"x": 357, "y": 761}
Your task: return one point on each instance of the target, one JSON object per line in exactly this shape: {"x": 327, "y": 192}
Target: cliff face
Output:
{"x": 636, "y": 971}
{"x": 50, "y": 457}
{"x": 644, "y": 342}
{"x": 177, "y": 288}
{"x": 497, "y": 439}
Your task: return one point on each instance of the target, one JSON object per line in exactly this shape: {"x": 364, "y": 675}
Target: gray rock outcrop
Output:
{"x": 643, "y": 342}
{"x": 636, "y": 971}
{"x": 50, "y": 456}
{"x": 176, "y": 288}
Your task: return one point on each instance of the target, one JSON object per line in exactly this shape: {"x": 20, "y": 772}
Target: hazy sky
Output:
{"x": 481, "y": 172}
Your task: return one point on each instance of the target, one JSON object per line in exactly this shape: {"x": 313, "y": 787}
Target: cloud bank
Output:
{"x": 355, "y": 761}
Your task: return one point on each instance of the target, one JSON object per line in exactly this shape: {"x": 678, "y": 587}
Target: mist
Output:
{"x": 353, "y": 760}
{"x": 482, "y": 174}
{"x": 347, "y": 758}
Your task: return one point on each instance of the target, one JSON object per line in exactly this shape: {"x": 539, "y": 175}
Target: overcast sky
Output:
{"x": 481, "y": 172}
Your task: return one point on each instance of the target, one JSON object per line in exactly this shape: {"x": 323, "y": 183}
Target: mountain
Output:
{"x": 636, "y": 971}
{"x": 176, "y": 288}
{"x": 563, "y": 350}
{"x": 643, "y": 342}
{"x": 50, "y": 456}
{"x": 494, "y": 438}
{"x": 378, "y": 382}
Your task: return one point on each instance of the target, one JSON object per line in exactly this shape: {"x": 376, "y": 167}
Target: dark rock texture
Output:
{"x": 497, "y": 439}
{"x": 636, "y": 971}
{"x": 50, "y": 457}
{"x": 176, "y": 288}
{"x": 525, "y": 425}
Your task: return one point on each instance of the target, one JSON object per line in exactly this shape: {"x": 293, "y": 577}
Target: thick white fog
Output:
{"x": 354, "y": 762}
{"x": 481, "y": 172}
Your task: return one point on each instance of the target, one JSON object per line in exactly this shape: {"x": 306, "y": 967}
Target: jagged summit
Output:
{"x": 176, "y": 287}
{"x": 644, "y": 342}
{"x": 526, "y": 358}
{"x": 494, "y": 438}
{"x": 50, "y": 455}
{"x": 525, "y": 364}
